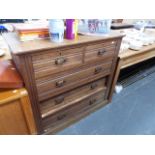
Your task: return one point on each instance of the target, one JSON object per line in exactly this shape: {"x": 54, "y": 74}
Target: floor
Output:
{"x": 132, "y": 112}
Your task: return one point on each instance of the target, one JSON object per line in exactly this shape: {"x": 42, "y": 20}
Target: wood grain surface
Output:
{"x": 9, "y": 77}
{"x": 16, "y": 117}
{"x": 18, "y": 47}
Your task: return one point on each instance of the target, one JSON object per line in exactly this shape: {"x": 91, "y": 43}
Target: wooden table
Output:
{"x": 130, "y": 57}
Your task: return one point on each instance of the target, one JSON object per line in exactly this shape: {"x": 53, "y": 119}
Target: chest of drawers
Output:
{"x": 65, "y": 81}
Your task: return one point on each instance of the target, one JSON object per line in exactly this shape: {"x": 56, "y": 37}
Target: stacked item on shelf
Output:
{"x": 31, "y": 31}
{"x": 94, "y": 27}
{"x": 135, "y": 39}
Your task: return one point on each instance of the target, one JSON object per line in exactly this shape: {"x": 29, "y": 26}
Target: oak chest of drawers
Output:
{"x": 65, "y": 81}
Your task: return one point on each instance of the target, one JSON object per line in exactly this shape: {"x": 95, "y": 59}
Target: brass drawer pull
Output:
{"x": 98, "y": 70}
{"x": 93, "y": 85}
{"x": 60, "y": 83}
{"x": 59, "y": 99}
{"x": 61, "y": 117}
{"x": 92, "y": 101}
{"x": 101, "y": 52}
{"x": 60, "y": 61}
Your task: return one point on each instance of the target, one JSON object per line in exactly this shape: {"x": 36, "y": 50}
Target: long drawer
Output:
{"x": 69, "y": 98}
{"x": 51, "y": 86}
{"x": 66, "y": 114}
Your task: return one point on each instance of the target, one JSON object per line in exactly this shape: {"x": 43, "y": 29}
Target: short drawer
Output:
{"x": 110, "y": 43}
{"x": 100, "y": 52}
{"x": 59, "y": 102}
{"x": 56, "y": 61}
{"x": 68, "y": 113}
{"x": 52, "y": 86}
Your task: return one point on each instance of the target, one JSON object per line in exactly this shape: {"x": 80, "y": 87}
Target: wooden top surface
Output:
{"x": 9, "y": 77}
{"x": 129, "y": 53}
{"x": 10, "y": 95}
{"x": 18, "y": 47}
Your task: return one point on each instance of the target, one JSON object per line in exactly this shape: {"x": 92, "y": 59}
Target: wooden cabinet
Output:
{"x": 16, "y": 116}
{"x": 66, "y": 81}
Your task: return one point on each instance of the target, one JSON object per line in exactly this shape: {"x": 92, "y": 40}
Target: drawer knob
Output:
{"x": 61, "y": 117}
{"x": 59, "y": 100}
{"x": 98, "y": 70}
{"x": 93, "y": 85}
{"x": 60, "y": 83}
{"x": 60, "y": 61}
{"x": 101, "y": 52}
{"x": 92, "y": 101}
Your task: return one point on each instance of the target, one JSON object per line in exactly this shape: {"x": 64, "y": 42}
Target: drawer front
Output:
{"x": 110, "y": 43}
{"x": 57, "y": 103}
{"x": 100, "y": 52}
{"x": 49, "y": 87}
{"x": 72, "y": 111}
{"x": 56, "y": 61}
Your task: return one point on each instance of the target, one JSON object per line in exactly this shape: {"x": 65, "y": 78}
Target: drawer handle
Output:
{"x": 60, "y": 61}
{"x": 93, "y": 85}
{"x": 101, "y": 52}
{"x": 60, "y": 83}
{"x": 61, "y": 117}
{"x": 98, "y": 70}
{"x": 91, "y": 102}
{"x": 59, "y": 100}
